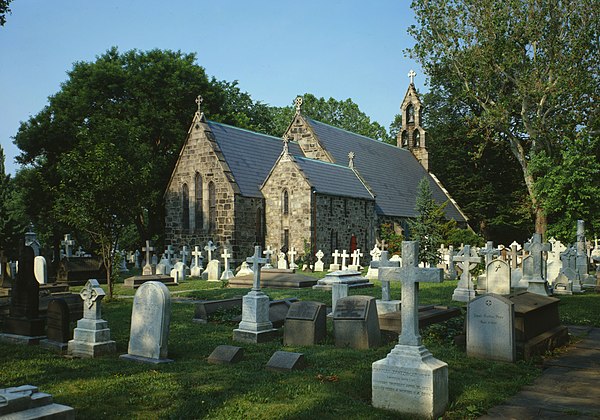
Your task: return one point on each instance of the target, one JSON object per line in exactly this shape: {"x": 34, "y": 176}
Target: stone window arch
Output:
{"x": 404, "y": 138}
{"x": 417, "y": 138}
{"x": 285, "y": 206}
{"x": 212, "y": 207}
{"x": 185, "y": 208}
{"x": 410, "y": 114}
{"x": 198, "y": 216}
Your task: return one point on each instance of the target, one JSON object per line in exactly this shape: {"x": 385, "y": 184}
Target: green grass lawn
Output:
{"x": 336, "y": 384}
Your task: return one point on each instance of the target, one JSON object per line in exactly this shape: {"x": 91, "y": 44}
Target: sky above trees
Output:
{"x": 276, "y": 50}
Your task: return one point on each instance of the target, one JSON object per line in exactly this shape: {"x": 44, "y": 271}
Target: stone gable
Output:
{"x": 301, "y": 132}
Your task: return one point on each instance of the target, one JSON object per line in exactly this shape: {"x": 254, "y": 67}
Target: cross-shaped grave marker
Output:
{"x": 344, "y": 256}
{"x": 197, "y": 254}
{"x": 319, "y": 256}
{"x": 209, "y": 248}
{"x": 68, "y": 243}
{"x": 451, "y": 267}
{"x": 227, "y": 273}
{"x": 489, "y": 252}
{"x": 410, "y": 275}
{"x": 386, "y": 294}
{"x": 268, "y": 252}
{"x": 147, "y": 249}
{"x": 91, "y": 295}
{"x": 538, "y": 284}
{"x": 184, "y": 254}
{"x": 356, "y": 255}
{"x": 256, "y": 260}
{"x": 292, "y": 256}
{"x": 467, "y": 260}
{"x": 375, "y": 253}
{"x": 335, "y": 256}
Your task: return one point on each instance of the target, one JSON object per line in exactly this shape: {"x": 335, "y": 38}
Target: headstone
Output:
{"x": 305, "y": 324}
{"x": 491, "y": 328}
{"x": 538, "y": 284}
{"x": 344, "y": 255}
{"x": 319, "y": 266}
{"x": 123, "y": 268}
{"x": 210, "y": 248}
{"x": 40, "y": 270}
{"x": 23, "y": 324}
{"x": 513, "y": 256}
{"x": 375, "y": 253}
{"x": 161, "y": 267}
{"x": 338, "y": 291}
{"x": 175, "y": 274}
{"x": 244, "y": 270}
{"x": 286, "y": 361}
{"x": 150, "y": 323}
{"x": 179, "y": 267}
{"x": 26, "y": 402}
{"x": 451, "y": 267}
{"x": 185, "y": 253}
{"x": 489, "y": 252}
{"x": 527, "y": 272}
{"x": 91, "y": 338}
{"x": 227, "y": 273}
{"x": 226, "y": 355}
{"x": 255, "y": 326}
{"x": 386, "y": 304}
{"x": 68, "y": 243}
{"x": 148, "y": 270}
{"x": 292, "y": 256}
{"x": 137, "y": 258}
{"x": 197, "y": 268}
{"x": 335, "y": 266}
{"x": 563, "y": 285}
{"x": 281, "y": 261}
{"x": 356, "y": 255}
{"x": 467, "y": 260}
{"x": 498, "y": 277}
{"x": 554, "y": 263}
{"x": 58, "y": 330}
{"x": 31, "y": 240}
{"x": 165, "y": 261}
{"x": 410, "y": 380}
{"x": 268, "y": 253}
{"x": 355, "y": 323}
{"x": 213, "y": 271}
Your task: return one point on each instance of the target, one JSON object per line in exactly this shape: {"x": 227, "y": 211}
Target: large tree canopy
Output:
{"x": 527, "y": 72}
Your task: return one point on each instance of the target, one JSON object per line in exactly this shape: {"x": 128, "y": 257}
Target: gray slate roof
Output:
{"x": 332, "y": 179}
{"x": 250, "y": 155}
{"x": 391, "y": 172}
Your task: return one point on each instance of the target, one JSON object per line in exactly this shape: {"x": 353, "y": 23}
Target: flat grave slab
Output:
{"x": 275, "y": 279}
{"x": 428, "y": 315}
{"x": 286, "y": 361}
{"x": 226, "y": 355}
{"x": 136, "y": 281}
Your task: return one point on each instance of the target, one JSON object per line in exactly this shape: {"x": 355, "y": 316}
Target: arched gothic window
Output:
{"x": 185, "y": 208}
{"x": 416, "y": 138}
{"x": 198, "y": 203}
{"x": 212, "y": 206}
{"x": 286, "y": 202}
{"x": 404, "y": 138}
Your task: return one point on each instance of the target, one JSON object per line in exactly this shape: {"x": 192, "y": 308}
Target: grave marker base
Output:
{"x": 54, "y": 346}
{"x": 21, "y": 339}
{"x": 141, "y": 359}
{"x": 255, "y": 337}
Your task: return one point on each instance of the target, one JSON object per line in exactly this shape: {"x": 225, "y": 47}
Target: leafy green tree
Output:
{"x": 343, "y": 114}
{"x": 526, "y": 70}
{"x": 12, "y": 224}
{"x": 140, "y": 102}
{"x": 391, "y": 238}
{"x": 428, "y": 225}
{"x": 4, "y": 10}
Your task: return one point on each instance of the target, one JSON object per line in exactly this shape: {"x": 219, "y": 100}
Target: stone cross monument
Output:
{"x": 467, "y": 260}
{"x": 538, "y": 284}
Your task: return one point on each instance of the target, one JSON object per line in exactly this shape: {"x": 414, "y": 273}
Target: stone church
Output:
{"x": 321, "y": 187}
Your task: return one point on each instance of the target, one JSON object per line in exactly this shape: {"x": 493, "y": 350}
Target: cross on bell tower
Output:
{"x": 411, "y": 136}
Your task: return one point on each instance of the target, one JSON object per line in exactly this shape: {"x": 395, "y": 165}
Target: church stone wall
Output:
{"x": 200, "y": 155}
{"x": 247, "y": 233}
{"x": 338, "y": 218}
{"x": 287, "y": 176}
{"x": 301, "y": 132}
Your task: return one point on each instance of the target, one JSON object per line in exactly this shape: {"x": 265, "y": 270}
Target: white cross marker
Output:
{"x": 268, "y": 252}
{"x": 344, "y": 256}
{"x": 255, "y": 260}
{"x": 335, "y": 256}
{"x": 147, "y": 249}
{"x": 68, "y": 243}
{"x": 210, "y": 247}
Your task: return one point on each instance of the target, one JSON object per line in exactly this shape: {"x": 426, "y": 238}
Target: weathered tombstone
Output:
{"x": 451, "y": 267}
{"x": 185, "y": 253}
{"x": 334, "y": 266}
{"x": 23, "y": 324}
{"x": 137, "y": 258}
{"x": 255, "y": 326}
{"x": 26, "y": 402}
{"x": 537, "y": 283}
{"x": 338, "y": 291}
{"x": 491, "y": 328}
{"x": 563, "y": 285}
{"x": 355, "y": 323}
{"x": 175, "y": 275}
{"x": 213, "y": 271}
{"x": 489, "y": 252}
{"x": 467, "y": 260}
{"x": 227, "y": 273}
{"x": 513, "y": 256}
{"x": 319, "y": 266}
{"x": 281, "y": 261}
{"x": 498, "y": 277}
{"x": 410, "y": 380}
{"x": 305, "y": 324}
{"x": 150, "y": 323}
{"x": 91, "y": 338}
{"x": 40, "y": 270}
{"x": 162, "y": 268}
{"x": 386, "y": 304}
{"x": 554, "y": 260}
{"x": 268, "y": 253}
{"x": 180, "y": 267}
{"x": 286, "y": 361}
{"x": 224, "y": 354}
{"x": 58, "y": 330}
{"x": 148, "y": 269}
{"x": 244, "y": 270}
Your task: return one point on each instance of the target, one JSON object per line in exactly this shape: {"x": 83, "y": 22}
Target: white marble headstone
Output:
{"x": 40, "y": 270}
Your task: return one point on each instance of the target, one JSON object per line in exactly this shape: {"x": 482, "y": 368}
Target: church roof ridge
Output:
{"x": 321, "y": 161}
{"x": 247, "y": 131}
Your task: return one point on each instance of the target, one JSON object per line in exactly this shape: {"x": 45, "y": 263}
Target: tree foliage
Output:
{"x": 427, "y": 227}
{"x": 12, "y": 224}
{"x": 526, "y": 70}
{"x": 4, "y": 10}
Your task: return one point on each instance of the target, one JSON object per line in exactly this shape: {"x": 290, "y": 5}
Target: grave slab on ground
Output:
{"x": 350, "y": 277}
{"x": 136, "y": 281}
{"x": 26, "y": 402}
{"x": 275, "y": 279}
{"x": 428, "y": 315}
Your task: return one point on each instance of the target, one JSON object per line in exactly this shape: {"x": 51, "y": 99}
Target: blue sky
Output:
{"x": 275, "y": 49}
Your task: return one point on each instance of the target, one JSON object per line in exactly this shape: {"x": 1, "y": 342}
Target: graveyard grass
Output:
{"x": 336, "y": 383}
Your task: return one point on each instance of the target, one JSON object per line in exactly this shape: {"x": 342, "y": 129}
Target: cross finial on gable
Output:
{"x": 411, "y": 76}
{"x": 199, "y": 101}
{"x": 351, "y": 160}
{"x": 298, "y": 103}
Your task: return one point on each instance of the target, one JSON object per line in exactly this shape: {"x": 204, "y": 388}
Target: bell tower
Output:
{"x": 412, "y": 136}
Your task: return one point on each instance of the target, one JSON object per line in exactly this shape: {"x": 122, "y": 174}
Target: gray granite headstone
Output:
{"x": 226, "y": 355}
{"x": 338, "y": 291}
{"x": 286, "y": 361}
{"x": 491, "y": 328}
{"x": 305, "y": 324}
{"x": 150, "y": 323}
{"x": 58, "y": 329}
{"x": 355, "y": 322}
{"x": 498, "y": 277}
